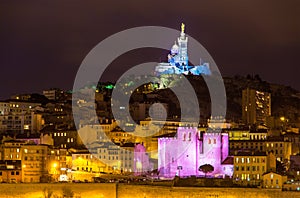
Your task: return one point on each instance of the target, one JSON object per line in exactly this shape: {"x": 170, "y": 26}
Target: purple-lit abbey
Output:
{"x": 183, "y": 154}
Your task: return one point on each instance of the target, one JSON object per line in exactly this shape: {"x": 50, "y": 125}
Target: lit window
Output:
{"x": 25, "y": 151}
{"x": 68, "y": 140}
{"x": 65, "y": 134}
{"x": 243, "y": 160}
{"x": 71, "y": 139}
{"x": 58, "y": 134}
{"x": 54, "y": 134}
{"x": 272, "y": 176}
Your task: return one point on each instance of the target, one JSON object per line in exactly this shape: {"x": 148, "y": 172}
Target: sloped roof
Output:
{"x": 228, "y": 161}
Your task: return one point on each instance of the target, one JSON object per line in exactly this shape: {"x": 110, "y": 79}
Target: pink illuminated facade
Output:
{"x": 141, "y": 160}
{"x": 182, "y": 155}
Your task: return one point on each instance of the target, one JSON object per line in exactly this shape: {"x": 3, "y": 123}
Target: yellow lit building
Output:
{"x": 85, "y": 166}
{"x": 10, "y": 171}
{"x": 11, "y": 150}
{"x": 34, "y": 163}
{"x": 273, "y": 180}
{"x": 282, "y": 149}
{"x": 57, "y": 164}
{"x": 249, "y": 167}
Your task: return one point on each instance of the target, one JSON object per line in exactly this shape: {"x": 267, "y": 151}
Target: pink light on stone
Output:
{"x": 182, "y": 155}
{"x": 141, "y": 160}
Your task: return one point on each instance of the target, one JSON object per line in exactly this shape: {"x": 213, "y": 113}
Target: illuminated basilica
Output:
{"x": 178, "y": 61}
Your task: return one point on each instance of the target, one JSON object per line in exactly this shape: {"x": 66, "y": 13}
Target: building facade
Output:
{"x": 273, "y": 180}
{"x": 184, "y": 154}
{"x": 249, "y": 167}
{"x": 34, "y": 163}
{"x": 256, "y": 106}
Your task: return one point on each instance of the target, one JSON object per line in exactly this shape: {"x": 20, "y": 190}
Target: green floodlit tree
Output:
{"x": 206, "y": 168}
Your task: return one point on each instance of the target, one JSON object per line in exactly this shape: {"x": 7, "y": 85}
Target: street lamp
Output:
{"x": 53, "y": 170}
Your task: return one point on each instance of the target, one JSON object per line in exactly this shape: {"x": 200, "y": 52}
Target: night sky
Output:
{"x": 44, "y": 42}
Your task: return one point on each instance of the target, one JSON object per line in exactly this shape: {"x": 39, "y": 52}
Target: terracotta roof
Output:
{"x": 228, "y": 160}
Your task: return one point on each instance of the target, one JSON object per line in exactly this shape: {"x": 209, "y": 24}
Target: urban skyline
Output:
{"x": 243, "y": 38}
{"x": 215, "y": 113}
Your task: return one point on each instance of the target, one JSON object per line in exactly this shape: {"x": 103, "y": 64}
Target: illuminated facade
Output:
{"x": 34, "y": 163}
{"x": 178, "y": 61}
{"x": 256, "y": 106}
{"x": 184, "y": 154}
{"x": 21, "y": 122}
{"x": 141, "y": 160}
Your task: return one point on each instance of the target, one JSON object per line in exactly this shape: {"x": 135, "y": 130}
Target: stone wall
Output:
{"x": 128, "y": 191}
{"x": 92, "y": 190}
{"x": 80, "y": 190}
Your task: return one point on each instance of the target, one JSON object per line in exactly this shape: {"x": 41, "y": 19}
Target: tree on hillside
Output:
{"x": 206, "y": 168}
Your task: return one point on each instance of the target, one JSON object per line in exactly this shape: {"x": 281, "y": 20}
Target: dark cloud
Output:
{"x": 44, "y": 42}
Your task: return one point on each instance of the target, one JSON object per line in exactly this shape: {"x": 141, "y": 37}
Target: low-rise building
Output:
{"x": 10, "y": 171}
{"x": 281, "y": 149}
{"x": 249, "y": 167}
{"x": 273, "y": 180}
{"x": 11, "y": 150}
{"x": 85, "y": 166}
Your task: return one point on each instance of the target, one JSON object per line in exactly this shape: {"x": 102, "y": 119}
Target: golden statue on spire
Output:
{"x": 182, "y": 27}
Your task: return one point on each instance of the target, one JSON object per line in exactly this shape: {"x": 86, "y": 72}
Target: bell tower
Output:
{"x": 182, "y": 44}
